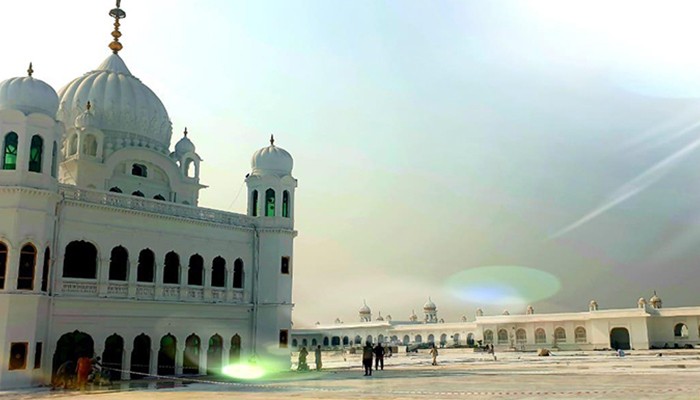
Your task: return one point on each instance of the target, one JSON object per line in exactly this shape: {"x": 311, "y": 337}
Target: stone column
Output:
{"x": 207, "y": 283}
{"x": 131, "y": 278}
{"x": 126, "y": 363}
{"x": 153, "y": 367}
{"x": 102, "y": 277}
{"x": 12, "y": 269}
{"x": 226, "y": 352}
{"x": 203, "y": 359}
{"x": 39, "y": 269}
{"x": 229, "y": 285}
{"x": 179, "y": 357}
{"x": 158, "y": 280}
{"x": 183, "y": 282}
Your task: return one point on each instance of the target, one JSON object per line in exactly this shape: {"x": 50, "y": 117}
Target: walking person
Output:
{"x": 367, "y": 353}
{"x": 319, "y": 364}
{"x": 302, "y": 360}
{"x": 83, "y": 370}
{"x": 378, "y": 357}
{"x": 434, "y": 353}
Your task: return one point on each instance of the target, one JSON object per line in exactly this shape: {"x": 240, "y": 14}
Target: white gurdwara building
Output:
{"x": 644, "y": 327}
{"x": 104, "y": 250}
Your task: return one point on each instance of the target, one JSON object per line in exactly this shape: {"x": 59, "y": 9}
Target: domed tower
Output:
{"x": 430, "y": 311}
{"x": 271, "y": 206}
{"x": 365, "y": 313}
{"x": 30, "y": 137}
{"x": 186, "y": 157}
{"x": 655, "y": 301}
{"x": 413, "y": 317}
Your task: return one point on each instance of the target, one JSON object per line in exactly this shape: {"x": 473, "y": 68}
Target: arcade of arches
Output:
{"x": 142, "y": 355}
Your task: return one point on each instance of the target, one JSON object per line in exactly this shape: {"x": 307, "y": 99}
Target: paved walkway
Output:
{"x": 459, "y": 375}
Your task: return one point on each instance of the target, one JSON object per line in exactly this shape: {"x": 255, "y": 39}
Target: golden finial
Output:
{"x": 117, "y": 14}
{"x": 88, "y": 105}
{"x": 185, "y": 132}
{"x": 272, "y": 140}
{"x": 30, "y": 71}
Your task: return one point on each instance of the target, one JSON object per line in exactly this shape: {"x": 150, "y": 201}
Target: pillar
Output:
{"x": 126, "y": 363}
{"x": 153, "y": 365}
{"x": 102, "y": 277}
{"x": 179, "y": 357}
{"x": 131, "y": 278}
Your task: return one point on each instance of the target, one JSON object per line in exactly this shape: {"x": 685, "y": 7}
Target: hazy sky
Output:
{"x": 435, "y": 142}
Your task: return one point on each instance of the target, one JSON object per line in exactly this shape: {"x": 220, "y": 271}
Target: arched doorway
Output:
{"x": 620, "y": 339}
{"x": 190, "y": 361}
{"x": 72, "y": 346}
{"x": 141, "y": 356}
{"x": 214, "y": 353}
{"x": 235, "y": 353}
{"x": 470, "y": 339}
{"x": 112, "y": 356}
{"x": 166, "y": 355}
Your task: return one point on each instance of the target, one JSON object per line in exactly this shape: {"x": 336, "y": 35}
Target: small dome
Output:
{"x": 87, "y": 118}
{"x": 429, "y": 305}
{"x": 464, "y": 318}
{"x": 479, "y": 312}
{"x": 272, "y": 159}
{"x": 184, "y": 146}
{"x": 365, "y": 309}
{"x": 388, "y": 318}
{"x": 505, "y": 312}
{"x": 28, "y": 95}
{"x": 380, "y": 318}
{"x": 413, "y": 317}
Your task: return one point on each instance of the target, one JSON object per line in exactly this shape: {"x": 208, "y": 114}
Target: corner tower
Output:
{"x": 271, "y": 204}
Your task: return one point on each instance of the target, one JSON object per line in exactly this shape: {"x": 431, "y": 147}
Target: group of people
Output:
{"x": 376, "y": 353}
{"x": 72, "y": 374}
{"x": 303, "y": 354}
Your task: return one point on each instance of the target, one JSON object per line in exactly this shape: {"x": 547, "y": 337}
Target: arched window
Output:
{"x": 45, "y": 272}
{"x": 218, "y": 272}
{"x": 235, "y": 351}
{"x": 254, "y": 202}
{"x": 431, "y": 339}
{"x": 3, "y": 264}
{"x": 406, "y": 340}
{"x": 54, "y": 160}
{"x": 560, "y": 334}
{"x": 335, "y": 341}
{"x": 171, "y": 271}
{"x": 80, "y": 260}
{"x": 285, "y": 204}
{"x": 580, "y": 334}
{"x": 166, "y": 355}
{"x": 159, "y": 197}
{"x": 90, "y": 145}
{"x": 118, "y": 264}
{"x": 346, "y": 340}
{"x": 195, "y": 271}
{"x": 540, "y": 336}
{"x": 295, "y": 343}
{"x": 238, "y": 274}
{"x": 488, "y": 336}
{"x": 27, "y": 264}
{"x": 520, "y": 336}
{"x": 139, "y": 170}
{"x": 502, "y": 336}
{"x": 115, "y": 189}
{"x": 35, "y": 153}
{"x": 418, "y": 339}
{"x": 680, "y": 331}
{"x": 190, "y": 360}
{"x": 189, "y": 168}
{"x": 146, "y": 266}
{"x": 326, "y": 341}
{"x": 9, "y": 159}
{"x": 269, "y": 203}
{"x": 138, "y": 193}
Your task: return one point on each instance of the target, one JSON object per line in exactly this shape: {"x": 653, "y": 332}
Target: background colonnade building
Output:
{"x": 105, "y": 251}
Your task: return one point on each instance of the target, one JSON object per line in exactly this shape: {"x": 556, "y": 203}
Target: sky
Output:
{"x": 488, "y": 154}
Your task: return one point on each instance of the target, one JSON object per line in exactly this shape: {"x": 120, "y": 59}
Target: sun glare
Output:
{"x": 244, "y": 371}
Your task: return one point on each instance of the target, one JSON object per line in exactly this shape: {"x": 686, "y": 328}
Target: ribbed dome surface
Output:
{"x": 121, "y": 104}
{"x": 273, "y": 160}
{"x": 429, "y": 305}
{"x": 28, "y": 95}
{"x": 184, "y": 146}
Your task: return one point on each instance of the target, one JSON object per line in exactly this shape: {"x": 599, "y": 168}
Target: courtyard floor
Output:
{"x": 460, "y": 374}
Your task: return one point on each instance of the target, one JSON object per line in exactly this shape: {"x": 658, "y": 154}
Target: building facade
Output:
{"x": 104, "y": 250}
{"x": 644, "y": 327}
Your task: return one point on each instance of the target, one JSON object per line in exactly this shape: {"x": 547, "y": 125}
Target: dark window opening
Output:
{"x": 285, "y": 265}
{"x": 238, "y": 274}
{"x": 285, "y": 204}
{"x": 218, "y": 272}
{"x": 27, "y": 264}
{"x": 269, "y": 203}
{"x": 139, "y": 170}
{"x": 138, "y": 193}
{"x": 190, "y": 360}
{"x": 80, "y": 260}
{"x": 115, "y": 190}
{"x": 159, "y": 197}
{"x": 37, "y": 355}
{"x": 18, "y": 356}
{"x": 119, "y": 264}
{"x": 195, "y": 271}
{"x": 9, "y": 159}
{"x": 3, "y": 264}
{"x": 35, "y": 153}
{"x": 45, "y": 270}
{"x": 54, "y": 160}
{"x": 254, "y": 200}
{"x": 171, "y": 271}
{"x": 284, "y": 338}
{"x": 146, "y": 266}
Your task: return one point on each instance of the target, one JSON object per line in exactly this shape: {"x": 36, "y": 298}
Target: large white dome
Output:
{"x": 272, "y": 160}
{"x": 28, "y": 95}
{"x": 122, "y": 106}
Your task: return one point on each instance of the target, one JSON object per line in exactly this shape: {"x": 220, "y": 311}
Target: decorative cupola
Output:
{"x": 641, "y": 303}
{"x": 413, "y": 317}
{"x": 464, "y": 318}
{"x": 380, "y": 318}
{"x": 479, "y": 312}
{"x": 506, "y": 312}
{"x": 365, "y": 313}
{"x": 388, "y": 318}
{"x": 271, "y": 185}
{"x": 655, "y": 301}
{"x": 530, "y": 310}
{"x": 186, "y": 157}
{"x": 430, "y": 311}
{"x": 593, "y": 306}
{"x": 28, "y": 95}
{"x": 85, "y": 139}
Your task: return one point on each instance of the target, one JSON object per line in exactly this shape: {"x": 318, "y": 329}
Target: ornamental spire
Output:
{"x": 185, "y": 132}
{"x": 117, "y": 14}
{"x": 30, "y": 70}
{"x": 272, "y": 140}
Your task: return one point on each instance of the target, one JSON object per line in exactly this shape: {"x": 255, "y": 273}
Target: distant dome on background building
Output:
{"x": 28, "y": 95}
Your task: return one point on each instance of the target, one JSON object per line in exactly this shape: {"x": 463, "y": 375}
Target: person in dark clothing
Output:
{"x": 367, "y": 358}
{"x": 64, "y": 375}
{"x": 378, "y": 357}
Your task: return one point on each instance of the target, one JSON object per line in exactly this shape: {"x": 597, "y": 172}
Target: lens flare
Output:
{"x": 503, "y": 285}
{"x": 244, "y": 371}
